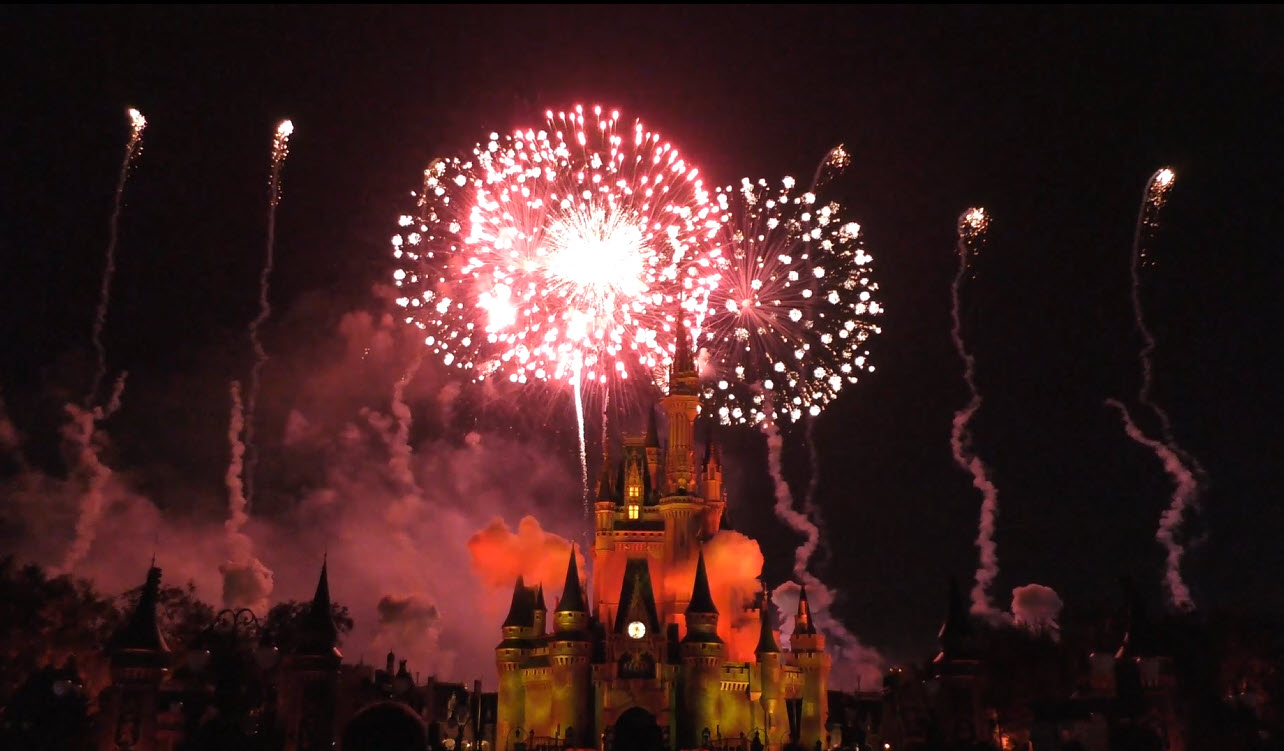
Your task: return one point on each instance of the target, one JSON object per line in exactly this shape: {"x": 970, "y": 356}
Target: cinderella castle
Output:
{"x": 635, "y": 660}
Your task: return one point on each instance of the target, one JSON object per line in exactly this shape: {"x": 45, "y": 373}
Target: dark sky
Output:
{"x": 1053, "y": 119}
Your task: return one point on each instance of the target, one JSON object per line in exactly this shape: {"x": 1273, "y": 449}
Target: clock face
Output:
{"x": 637, "y": 629}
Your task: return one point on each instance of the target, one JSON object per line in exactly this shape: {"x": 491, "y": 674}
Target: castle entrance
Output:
{"x": 636, "y": 730}
{"x": 386, "y": 726}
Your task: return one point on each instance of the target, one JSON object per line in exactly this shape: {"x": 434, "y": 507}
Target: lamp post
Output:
{"x": 237, "y": 655}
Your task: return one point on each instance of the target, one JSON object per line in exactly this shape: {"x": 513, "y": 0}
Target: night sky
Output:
{"x": 1051, "y": 119}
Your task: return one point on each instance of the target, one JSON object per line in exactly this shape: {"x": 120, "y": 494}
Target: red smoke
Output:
{"x": 733, "y": 563}
{"x": 500, "y": 555}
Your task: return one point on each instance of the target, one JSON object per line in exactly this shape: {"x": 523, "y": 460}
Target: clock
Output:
{"x": 637, "y": 630}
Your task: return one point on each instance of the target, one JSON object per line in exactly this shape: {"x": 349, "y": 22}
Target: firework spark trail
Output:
{"x": 79, "y": 434}
{"x": 578, "y": 396}
{"x": 971, "y": 228}
{"x": 280, "y": 149}
{"x": 1186, "y": 489}
{"x": 132, "y": 148}
{"x": 1183, "y": 468}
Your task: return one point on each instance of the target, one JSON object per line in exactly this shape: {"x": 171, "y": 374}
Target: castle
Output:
{"x": 641, "y": 663}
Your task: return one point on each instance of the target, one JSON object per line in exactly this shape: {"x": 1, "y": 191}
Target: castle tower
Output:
{"x": 139, "y": 660}
{"x": 714, "y": 502}
{"x": 679, "y": 507}
{"x": 702, "y": 652}
{"x": 957, "y": 667}
{"x": 310, "y": 676}
{"x": 770, "y": 674}
{"x": 569, "y": 652}
{"x": 808, "y": 647}
{"x": 1144, "y": 677}
{"x": 509, "y": 655}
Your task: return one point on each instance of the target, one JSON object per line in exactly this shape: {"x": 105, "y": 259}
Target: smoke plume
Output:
{"x": 1185, "y": 492}
{"x": 971, "y": 228}
{"x": 80, "y": 435}
{"x": 1036, "y": 609}
{"x": 247, "y": 583}
{"x": 854, "y": 664}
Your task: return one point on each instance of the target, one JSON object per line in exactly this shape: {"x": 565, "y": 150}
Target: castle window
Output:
{"x": 633, "y": 511}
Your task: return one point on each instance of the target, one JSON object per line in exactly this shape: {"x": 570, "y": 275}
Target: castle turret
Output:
{"x": 1144, "y": 678}
{"x": 808, "y": 647}
{"x": 702, "y": 652}
{"x": 651, "y": 445}
{"x": 570, "y": 649}
{"x": 714, "y": 504}
{"x": 310, "y": 675}
{"x": 509, "y": 654}
{"x": 770, "y": 674}
{"x": 139, "y": 660}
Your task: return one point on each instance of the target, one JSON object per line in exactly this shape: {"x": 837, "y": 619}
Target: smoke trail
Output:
{"x": 971, "y": 227}
{"x": 79, "y": 435}
{"x": 10, "y": 439}
{"x": 401, "y": 456}
{"x": 1185, "y": 490}
{"x": 784, "y": 507}
{"x": 246, "y": 581}
{"x": 1181, "y": 466}
{"x": 137, "y": 124}
{"x": 280, "y": 149}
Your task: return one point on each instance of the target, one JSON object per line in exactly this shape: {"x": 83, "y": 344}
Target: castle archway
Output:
{"x": 636, "y": 730}
{"x": 386, "y": 726}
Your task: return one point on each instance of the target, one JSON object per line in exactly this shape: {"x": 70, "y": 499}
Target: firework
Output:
{"x": 562, "y": 254}
{"x": 789, "y": 321}
{"x": 280, "y": 149}
{"x": 1183, "y": 468}
{"x": 132, "y": 148}
{"x": 972, "y": 226}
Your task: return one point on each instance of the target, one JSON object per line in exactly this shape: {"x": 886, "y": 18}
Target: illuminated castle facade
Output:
{"x": 636, "y": 661}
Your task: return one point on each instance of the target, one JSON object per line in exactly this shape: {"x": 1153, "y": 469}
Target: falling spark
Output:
{"x": 790, "y": 318}
{"x": 1185, "y": 491}
{"x": 132, "y": 149}
{"x": 1183, "y": 468}
{"x": 79, "y": 433}
{"x": 578, "y": 396}
{"x": 971, "y": 231}
{"x": 280, "y": 149}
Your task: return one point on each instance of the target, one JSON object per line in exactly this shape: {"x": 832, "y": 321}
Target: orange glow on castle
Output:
{"x": 674, "y": 639}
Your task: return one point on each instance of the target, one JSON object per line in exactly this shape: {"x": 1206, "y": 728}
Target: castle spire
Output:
{"x": 319, "y": 635}
{"x": 956, "y": 632}
{"x": 652, "y": 434}
{"x": 766, "y": 637}
{"x": 518, "y": 614}
{"x": 572, "y": 595}
{"x": 142, "y": 630}
{"x": 802, "y": 621}
{"x": 539, "y": 598}
{"x": 682, "y": 360}
{"x": 701, "y": 599}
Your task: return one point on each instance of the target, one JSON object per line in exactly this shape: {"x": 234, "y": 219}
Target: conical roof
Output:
{"x": 701, "y": 598}
{"x": 572, "y": 595}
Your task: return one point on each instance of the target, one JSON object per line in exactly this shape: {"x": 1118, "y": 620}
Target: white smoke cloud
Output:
{"x": 1036, "y": 609}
